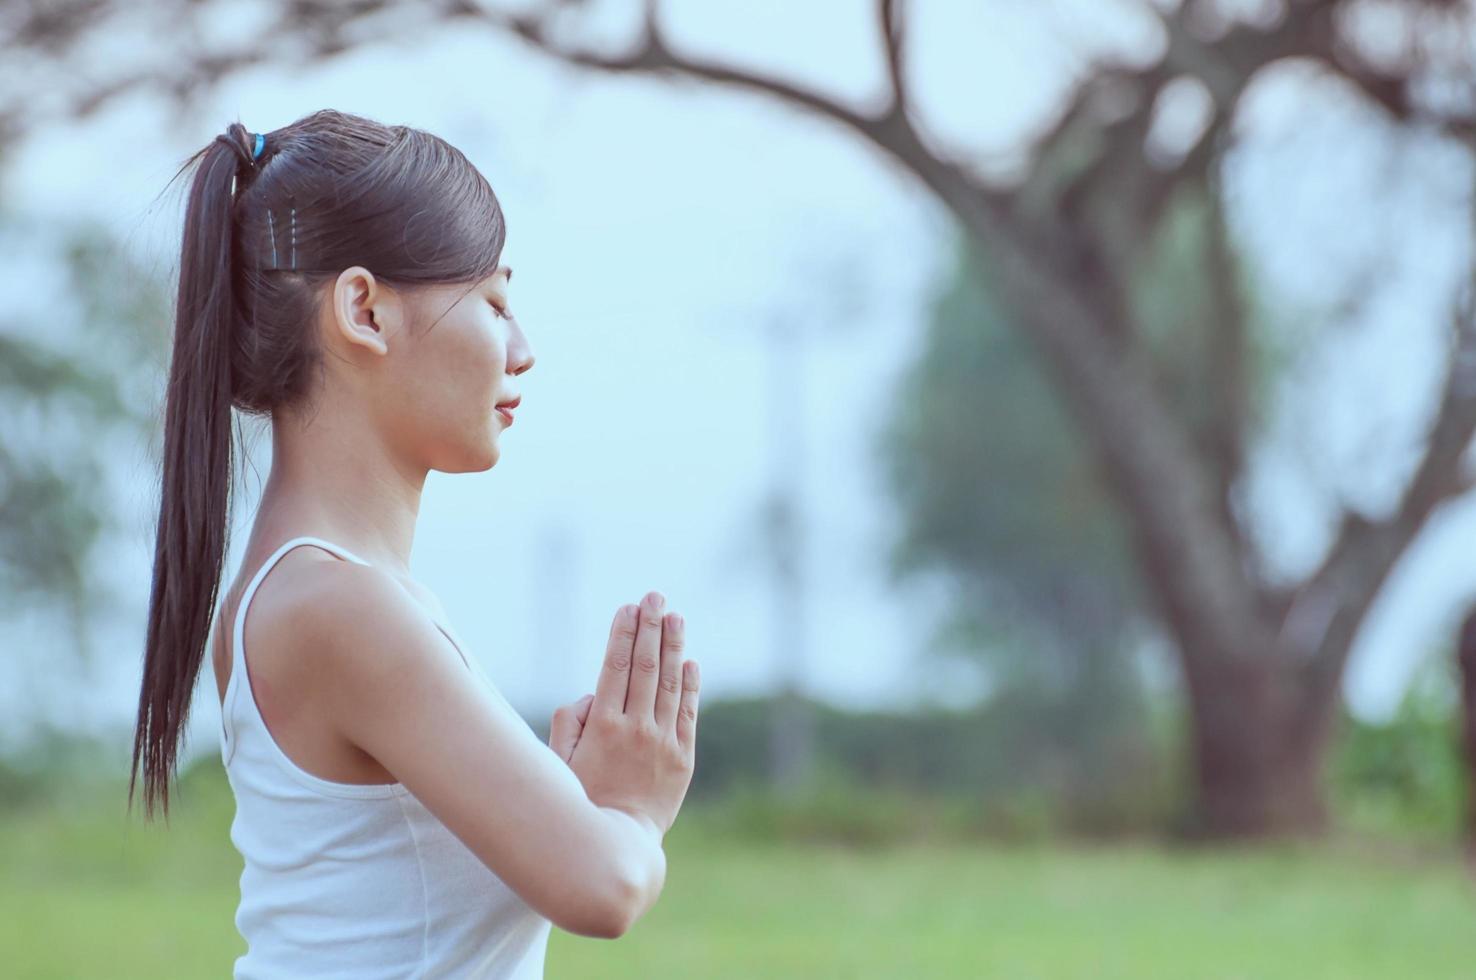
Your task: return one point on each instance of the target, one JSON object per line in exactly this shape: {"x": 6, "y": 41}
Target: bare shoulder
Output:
{"x": 428, "y": 598}
{"x": 336, "y": 612}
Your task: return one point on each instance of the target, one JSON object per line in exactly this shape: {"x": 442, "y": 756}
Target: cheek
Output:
{"x": 485, "y": 361}
{"x": 469, "y": 367}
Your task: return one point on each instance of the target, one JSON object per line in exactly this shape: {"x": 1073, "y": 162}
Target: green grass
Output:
{"x": 1130, "y": 912}
{"x": 85, "y": 893}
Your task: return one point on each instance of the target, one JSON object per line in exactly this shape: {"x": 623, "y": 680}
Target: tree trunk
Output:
{"x": 1466, "y": 658}
{"x": 1258, "y": 750}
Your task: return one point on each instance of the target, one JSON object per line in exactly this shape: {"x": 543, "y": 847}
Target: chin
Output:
{"x": 478, "y": 462}
{"x": 472, "y": 459}
{"x": 486, "y": 458}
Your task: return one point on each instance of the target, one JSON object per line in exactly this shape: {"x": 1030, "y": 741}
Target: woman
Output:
{"x": 395, "y": 815}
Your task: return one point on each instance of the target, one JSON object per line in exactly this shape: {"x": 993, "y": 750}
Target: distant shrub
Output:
{"x": 1405, "y": 775}
{"x": 836, "y": 809}
{"x": 997, "y": 771}
{"x": 53, "y": 765}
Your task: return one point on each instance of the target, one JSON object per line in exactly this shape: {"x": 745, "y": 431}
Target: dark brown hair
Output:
{"x": 262, "y": 233}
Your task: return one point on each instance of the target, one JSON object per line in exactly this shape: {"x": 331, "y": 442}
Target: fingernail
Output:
{"x": 677, "y": 621}
{"x": 628, "y": 610}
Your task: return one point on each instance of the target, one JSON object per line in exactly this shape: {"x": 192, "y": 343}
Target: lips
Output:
{"x": 505, "y": 409}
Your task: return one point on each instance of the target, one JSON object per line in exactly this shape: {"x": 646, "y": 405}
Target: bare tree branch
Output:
{"x": 1312, "y": 29}
{"x": 1365, "y": 552}
{"x": 894, "y": 36}
{"x": 1187, "y": 55}
{"x": 1226, "y": 356}
{"x": 654, "y": 56}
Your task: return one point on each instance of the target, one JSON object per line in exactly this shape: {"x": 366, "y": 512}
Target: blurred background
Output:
{"x": 1051, "y": 418}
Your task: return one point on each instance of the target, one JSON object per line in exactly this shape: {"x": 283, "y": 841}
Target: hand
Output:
{"x": 568, "y": 725}
{"x": 638, "y": 746}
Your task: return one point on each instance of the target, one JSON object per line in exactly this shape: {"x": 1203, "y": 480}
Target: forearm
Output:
{"x": 642, "y": 859}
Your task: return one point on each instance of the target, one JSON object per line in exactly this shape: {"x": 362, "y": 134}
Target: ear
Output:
{"x": 365, "y": 311}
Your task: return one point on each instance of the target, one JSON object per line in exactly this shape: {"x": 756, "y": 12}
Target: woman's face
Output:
{"x": 455, "y": 359}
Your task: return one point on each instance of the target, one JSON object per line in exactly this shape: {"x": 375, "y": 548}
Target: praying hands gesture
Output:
{"x": 633, "y": 742}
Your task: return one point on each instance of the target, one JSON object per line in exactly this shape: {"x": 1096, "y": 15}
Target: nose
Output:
{"x": 519, "y": 352}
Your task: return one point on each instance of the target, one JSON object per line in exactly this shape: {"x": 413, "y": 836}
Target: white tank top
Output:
{"x": 349, "y": 880}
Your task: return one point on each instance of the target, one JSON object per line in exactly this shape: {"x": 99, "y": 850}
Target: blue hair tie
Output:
{"x": 260, "y": 142}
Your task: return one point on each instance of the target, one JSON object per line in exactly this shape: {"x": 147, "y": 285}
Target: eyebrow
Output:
{"x": 491, "y": 281}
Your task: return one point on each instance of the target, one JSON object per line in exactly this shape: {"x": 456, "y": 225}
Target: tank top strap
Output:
{"x": 238, "y": 628}
{"x": 238, "y": 635}
{"x": 472, "y": 665}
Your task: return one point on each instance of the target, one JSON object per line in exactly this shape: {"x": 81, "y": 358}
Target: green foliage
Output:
{"x": 1003, "y": 771}
{"x": 1180, "y": 317}
{"x": 1007, "y": 768}
{"x": 55, "y": 765}
{"x": 835, "y": 809}
{"x": 1000, "y": 494}
{"x": 1406, "y": 776}
{"x": 993, "y": 480}
{"x": 1006, "y": 771}
{"x": 78, "y": 386}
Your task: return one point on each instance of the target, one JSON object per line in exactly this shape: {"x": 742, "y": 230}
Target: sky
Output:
{"x": 702, "y": 272}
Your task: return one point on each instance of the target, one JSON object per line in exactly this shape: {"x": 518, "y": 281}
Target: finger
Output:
{"x": 669, "y": 691}
{"x": 578, "y": 714}
{"x": 640, "y": 699}
{"x": 686, "y": 723}
{"x": 614, "y": 677}
{"x": 563, "y": 733}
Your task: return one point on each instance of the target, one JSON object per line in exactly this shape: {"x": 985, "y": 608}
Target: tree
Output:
{"x": 73, "y": 389}
{"x": 998, "y": 491}
{"x": 1262, "y": 659}
{"x": 78, "y": 352}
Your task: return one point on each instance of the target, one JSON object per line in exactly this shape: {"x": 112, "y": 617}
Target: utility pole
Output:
{"x": 557, "y": 574}
{"x": 792, "y": 728}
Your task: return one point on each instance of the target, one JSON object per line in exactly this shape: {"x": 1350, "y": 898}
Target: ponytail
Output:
{"x": 194, "y": 509}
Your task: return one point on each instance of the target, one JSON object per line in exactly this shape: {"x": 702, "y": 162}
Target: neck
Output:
{"x": 333, "y": 477}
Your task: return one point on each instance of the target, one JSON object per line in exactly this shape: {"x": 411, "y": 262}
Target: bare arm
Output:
{"x": 644, "y": 838}
{"x": 398, "y": 690}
